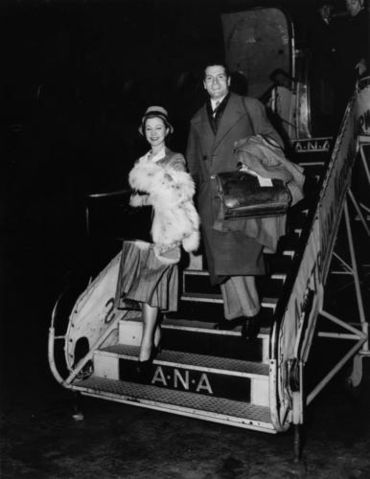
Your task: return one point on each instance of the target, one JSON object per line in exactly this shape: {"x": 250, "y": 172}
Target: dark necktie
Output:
{"x": 217, "y": 104}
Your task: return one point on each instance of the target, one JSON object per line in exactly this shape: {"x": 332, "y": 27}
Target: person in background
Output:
{"x": 323, "y": 49}
{"x": 352, "y": 50}
{"x": 148, "y": 270}
{"x": 233, "y": 259}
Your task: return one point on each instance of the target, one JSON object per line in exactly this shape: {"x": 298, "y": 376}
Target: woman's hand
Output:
{"x": 137, "y": 200}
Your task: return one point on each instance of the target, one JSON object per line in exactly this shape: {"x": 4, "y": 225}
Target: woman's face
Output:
{"x": 155, "y": 131}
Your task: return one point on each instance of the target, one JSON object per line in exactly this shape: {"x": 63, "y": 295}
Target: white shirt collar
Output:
{"x": 218, "y": 100}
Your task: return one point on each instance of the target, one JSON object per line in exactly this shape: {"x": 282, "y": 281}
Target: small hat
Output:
{"x": 156, "y": 111}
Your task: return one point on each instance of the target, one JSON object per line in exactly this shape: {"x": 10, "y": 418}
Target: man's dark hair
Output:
{"x": 216, "y": 62}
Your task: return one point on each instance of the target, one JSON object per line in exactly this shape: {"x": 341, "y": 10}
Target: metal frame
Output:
{"x": 298, "y": 315}
{"x": 360, "y": 331}
{"x": 357, "y": 332}
{"x": 66, "y": 382}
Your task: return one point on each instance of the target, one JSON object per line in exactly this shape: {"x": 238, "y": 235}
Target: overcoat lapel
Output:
{"x": 207, "y": 133}
{"x": 233, "y": 112}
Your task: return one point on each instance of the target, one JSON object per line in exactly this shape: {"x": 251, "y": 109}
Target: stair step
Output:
{"x": 199, "y": 337}
{"x": 279, "y": 264}
{"x": 267, "y": 302}
{"x": 212, "y": 312}
{"x": 270, "y": 287}
{"x": 203, "y": 297}
{"x": 312, "y": 148}
{"x": 209, "y": 375}
{"x": 314, "y": 170}
{"x": 198, "y": 283}
{"x": 198, "y": 311}
{"x": 209, "y": 408}
{"x": 200, "y": 362}
{"x": 289, "y": 242}
{"x": 312, "y": 163}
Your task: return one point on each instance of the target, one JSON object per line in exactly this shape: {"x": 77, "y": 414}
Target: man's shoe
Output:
{"x": 251, "y": 326}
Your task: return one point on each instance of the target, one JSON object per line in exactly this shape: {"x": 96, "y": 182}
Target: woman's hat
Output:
{"x": 153, "y": 112}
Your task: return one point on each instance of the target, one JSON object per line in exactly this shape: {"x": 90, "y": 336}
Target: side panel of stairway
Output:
{"x": 305, "y": 303}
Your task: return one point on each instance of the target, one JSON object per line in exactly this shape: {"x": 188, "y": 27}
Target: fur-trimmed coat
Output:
{"x": 169, "y": 189}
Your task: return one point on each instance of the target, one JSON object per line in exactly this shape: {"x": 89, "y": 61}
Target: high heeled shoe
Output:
{"x": 144, "y": 368}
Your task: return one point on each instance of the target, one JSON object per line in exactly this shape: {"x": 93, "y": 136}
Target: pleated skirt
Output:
{"x": 145, "y": 278}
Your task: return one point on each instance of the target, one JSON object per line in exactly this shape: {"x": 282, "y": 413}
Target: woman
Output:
{"x": 149, "y": 274}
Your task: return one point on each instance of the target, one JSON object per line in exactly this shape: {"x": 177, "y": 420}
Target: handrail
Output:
{"x": 101, "y": 196}
{"x": 91, "y": 352}
{"x": 83, "y": 361}
{"x": 52, "y": 365}
{"x": 283, "y": 302}
{"x": 109, "y": 194}
{"x": 323, "y": 224}
{"x": 51, "y": 342}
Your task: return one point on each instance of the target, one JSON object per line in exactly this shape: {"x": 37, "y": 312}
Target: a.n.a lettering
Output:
{"x": 181, "y": 379}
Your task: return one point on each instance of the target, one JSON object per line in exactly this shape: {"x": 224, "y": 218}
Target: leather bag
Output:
{"x": 242, "y": 196}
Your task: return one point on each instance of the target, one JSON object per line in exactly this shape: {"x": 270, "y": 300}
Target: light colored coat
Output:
{"x": 260, "y": 155}
{"x": 170, "y": 190}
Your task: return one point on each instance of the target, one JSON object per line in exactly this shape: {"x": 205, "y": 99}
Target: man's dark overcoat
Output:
{"x": 228, "y": 253}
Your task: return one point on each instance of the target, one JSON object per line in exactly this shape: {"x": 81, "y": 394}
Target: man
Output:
{"x": 233, "y": 259}
{"x": 352, "y": 50}
{"x": 358, "y": 31}
{"x": 323, "y": 76}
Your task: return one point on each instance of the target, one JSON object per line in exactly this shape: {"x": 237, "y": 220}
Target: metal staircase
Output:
{"x": 216, "y": 375}
{"x": 201, "y": 372}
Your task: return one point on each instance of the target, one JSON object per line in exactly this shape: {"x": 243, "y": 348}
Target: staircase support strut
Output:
{"x": 356, "y": 278}
{"x": 358, "y": 334}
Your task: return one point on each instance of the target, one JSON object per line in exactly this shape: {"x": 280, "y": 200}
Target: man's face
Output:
{"x": 216, "y": 82}
{"x": 325, "y": 11}
{"x": 354, "y": 6}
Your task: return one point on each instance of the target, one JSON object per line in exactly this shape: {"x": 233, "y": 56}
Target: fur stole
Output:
{"x": 170, "y": 192}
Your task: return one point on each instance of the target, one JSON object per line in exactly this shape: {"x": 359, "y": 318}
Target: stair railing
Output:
{"x": 298, "y": 310}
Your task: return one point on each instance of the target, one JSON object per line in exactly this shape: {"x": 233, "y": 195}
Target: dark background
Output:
{"x": 75, "y": 79}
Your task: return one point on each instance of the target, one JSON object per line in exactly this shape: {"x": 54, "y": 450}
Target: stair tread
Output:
{"x": 172, "y": 400}
{"x": 218, "y": 297}
{"x": 202, "y": 295}
{"x": 211, "y": 312}
{"x": 183, "y": 323}
{"x": 204, "y": 326}
{"x": 194, "y": 361}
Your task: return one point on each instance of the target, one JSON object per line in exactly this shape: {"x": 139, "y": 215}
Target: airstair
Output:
{"x": 217, "y": 375}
